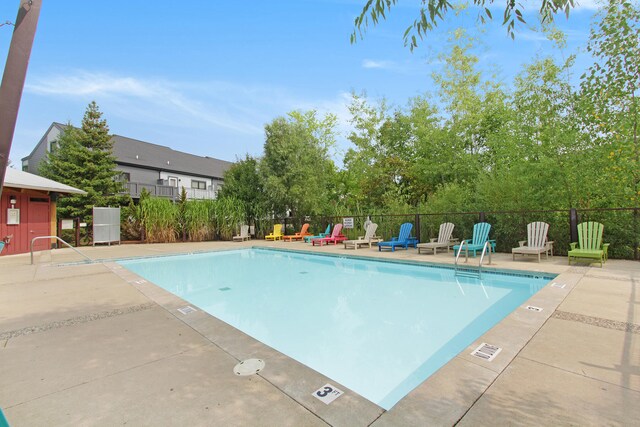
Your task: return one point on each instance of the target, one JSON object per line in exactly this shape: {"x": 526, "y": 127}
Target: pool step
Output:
{"x": 468, "y": 272}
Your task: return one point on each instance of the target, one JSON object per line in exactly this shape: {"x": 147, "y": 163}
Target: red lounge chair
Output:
{"x": 335, "y": 238}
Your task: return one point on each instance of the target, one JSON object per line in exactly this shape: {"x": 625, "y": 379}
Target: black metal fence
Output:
{"x": 621, "y": 226}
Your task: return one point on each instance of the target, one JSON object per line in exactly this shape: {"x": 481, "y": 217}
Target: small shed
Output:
{"x": 28, "y": 210}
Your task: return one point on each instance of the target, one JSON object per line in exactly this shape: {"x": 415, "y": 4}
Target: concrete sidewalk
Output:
{"x": 96, "y": 345}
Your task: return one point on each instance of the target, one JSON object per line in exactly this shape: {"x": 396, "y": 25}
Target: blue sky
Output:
{"x": 206, "y": 77}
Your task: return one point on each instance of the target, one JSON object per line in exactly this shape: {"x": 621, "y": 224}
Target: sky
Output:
{"x": 205, "y": 77}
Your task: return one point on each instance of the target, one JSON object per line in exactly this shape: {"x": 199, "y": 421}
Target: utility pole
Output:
{"x": 15, "y": 72}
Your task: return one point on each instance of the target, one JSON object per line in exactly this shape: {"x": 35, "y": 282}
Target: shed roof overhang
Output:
{"x": 18, "y": 179}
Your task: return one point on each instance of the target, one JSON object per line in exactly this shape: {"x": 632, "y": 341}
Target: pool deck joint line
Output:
{"x": 598, "y": 321}
{"x": 75, "y": 321}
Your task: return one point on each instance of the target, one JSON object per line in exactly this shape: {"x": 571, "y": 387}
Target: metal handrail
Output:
{"x": 487, "y": 244}
{"x": 59, "y": 239}
{"x": 464, "y": 242}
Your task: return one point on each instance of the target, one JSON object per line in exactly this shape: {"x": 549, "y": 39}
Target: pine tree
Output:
{"x": 83, "y": 158}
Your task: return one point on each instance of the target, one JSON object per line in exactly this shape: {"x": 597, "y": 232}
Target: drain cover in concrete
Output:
{"x": 186, "y": 310}
{"x": 486, "y": 351}
{"x": 249, "y": 367}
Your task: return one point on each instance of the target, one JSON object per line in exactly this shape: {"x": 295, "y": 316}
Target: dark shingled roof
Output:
{"x": 155, "y": 156}
{"x": 161, "y": 157}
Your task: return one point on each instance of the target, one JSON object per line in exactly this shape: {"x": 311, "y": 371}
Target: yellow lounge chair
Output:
{"x": 277, "y": 233}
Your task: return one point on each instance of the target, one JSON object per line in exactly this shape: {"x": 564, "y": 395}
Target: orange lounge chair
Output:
{"x": 299, "y": 236}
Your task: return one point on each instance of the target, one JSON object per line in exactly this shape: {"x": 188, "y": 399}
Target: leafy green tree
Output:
{"x": 431, "y": 11}
{"x": 380, "y": 165}
{"x": 297, "y": 169}
{"x": 362, "y": 186}
{"x": 243, "y": 182}
{"x": 610, "y": 93}
{"x": 474, "y": 109}
{"x": 83, "y": 158}
{"x": 532, "y": 158}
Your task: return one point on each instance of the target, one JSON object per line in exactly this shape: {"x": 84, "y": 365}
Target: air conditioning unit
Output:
{"x": 162, "y": 182}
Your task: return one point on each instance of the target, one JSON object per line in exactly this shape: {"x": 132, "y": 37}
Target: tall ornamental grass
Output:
{"x": 159, "y": 219}
{"x": 197, "y": 220}
{"x": 229, "y": 213}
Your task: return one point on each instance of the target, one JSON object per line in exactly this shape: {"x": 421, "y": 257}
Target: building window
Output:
{"x": 173, "y": 181}
{"x": 25, "y": 165}
{"x": 200, "y": 185}
{"x": 124, "y": 177}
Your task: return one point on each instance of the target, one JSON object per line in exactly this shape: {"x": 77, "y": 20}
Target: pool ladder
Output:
{"x": 467, "y": 271}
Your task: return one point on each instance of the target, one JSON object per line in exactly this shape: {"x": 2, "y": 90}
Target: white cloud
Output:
{"x": 588, "y": 4}
{"x": 370, "y": 63}
{"x": 184, "y": 115}
{"x": 147, "y": 99}
{"x": 534, "y": 5}
{"x": 532, "y": 36}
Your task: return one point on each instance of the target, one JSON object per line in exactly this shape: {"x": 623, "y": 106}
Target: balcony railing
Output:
{"x": 167, "y": 191}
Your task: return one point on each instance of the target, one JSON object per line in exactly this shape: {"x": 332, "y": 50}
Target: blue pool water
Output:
{"x": 379, "y": 328}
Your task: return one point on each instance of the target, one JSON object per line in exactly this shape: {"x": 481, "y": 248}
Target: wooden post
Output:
{"x": 77, "y": 221}
{"x": 15, "y": 72}
{"x": 573, "y": 224}
{"x": 59, "y": 233}
{"x": 636, "y": 213}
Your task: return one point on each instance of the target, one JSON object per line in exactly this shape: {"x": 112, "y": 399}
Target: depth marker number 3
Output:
{"x": 327, "y": 393}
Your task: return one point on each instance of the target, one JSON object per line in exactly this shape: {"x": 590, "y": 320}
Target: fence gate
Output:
{"x": 106, "y": 225}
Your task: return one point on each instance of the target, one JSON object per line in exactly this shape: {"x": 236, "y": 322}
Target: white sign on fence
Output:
{"x": 67, "y": 224}
{"x": 347, "y": 222}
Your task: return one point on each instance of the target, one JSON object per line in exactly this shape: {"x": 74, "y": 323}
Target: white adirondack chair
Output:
{"x": 536, "y": 242}
{"x": 367, "y": 240}
{"x": 244, "y": 234}
{"x": 442, "y": 241}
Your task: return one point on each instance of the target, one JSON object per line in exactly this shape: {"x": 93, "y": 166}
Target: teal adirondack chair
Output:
{"x": 590, "y": 242}
{"x": 1, "y": 246}
{"x": 326, "y": 233}
{"x": 3, "y": 420}
{"x": 480, "y": 237}
{"x": 402, "y": 240}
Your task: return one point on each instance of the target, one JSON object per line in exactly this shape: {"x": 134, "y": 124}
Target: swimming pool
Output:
{"x": 379, "y": 328}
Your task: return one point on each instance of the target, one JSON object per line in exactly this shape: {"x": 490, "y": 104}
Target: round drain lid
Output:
{"x": 249, "y": 367}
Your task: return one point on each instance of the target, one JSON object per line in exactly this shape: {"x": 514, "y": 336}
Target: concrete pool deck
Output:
{"x": 93, "y": 344}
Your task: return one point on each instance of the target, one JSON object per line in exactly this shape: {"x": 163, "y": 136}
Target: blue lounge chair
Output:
{"x": 402, "y": 240}
{"x": 326, "y": 233}
{"x": 480, "y": 237}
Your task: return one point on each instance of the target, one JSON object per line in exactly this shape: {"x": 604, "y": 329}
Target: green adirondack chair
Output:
{"x": 590, "y": 243}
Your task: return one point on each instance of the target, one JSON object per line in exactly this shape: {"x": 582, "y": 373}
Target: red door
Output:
{"x": 38, "y": 223}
